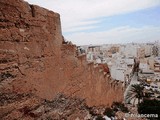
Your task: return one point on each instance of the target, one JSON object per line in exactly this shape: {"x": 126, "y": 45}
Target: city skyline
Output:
{"x": 107, "y": 22}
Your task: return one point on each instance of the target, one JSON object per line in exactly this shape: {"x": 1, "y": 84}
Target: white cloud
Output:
{"x": 78, "y": 15}
{"x": 117, "y": 35}
{"x": 76, "y": 29}
{"x": 75, "y": 12}
{"x": 83, "y": 25}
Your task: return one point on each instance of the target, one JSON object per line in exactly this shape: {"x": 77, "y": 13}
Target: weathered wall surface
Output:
{"x": 34, "y": 60}
{"x": 88, "y": 81}
{"x": 30, "y": 42}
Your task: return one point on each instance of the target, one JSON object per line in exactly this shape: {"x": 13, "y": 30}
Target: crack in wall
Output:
{"x": 32, "y": 10}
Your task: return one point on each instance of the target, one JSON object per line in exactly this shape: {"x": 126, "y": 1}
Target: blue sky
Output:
{"x": 87, "y": 22}
{"x": 149, "y": 17}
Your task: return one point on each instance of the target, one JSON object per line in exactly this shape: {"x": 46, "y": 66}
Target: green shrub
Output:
{"x": 99, "y": 117}
{"x": 150, "y": 107}
{"x": 119, "y": 106}
{"x": 109, "y": 112}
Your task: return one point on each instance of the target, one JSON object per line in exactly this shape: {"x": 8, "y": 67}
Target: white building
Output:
{"x": 143, "y": 66}
{"x": 131, "y": 50}
{"x": 118, "y": 73}
{"x": 148, "y": 50}
{"x": 90, "y": 56}
{"x": 122, "y": 69}
{"x": 98, "y": 60}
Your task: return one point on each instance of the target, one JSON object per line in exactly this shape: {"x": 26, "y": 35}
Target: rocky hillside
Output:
{"x": 36, "y": 64}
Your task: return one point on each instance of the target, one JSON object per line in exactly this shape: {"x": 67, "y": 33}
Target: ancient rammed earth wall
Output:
{"x": 33, "y": 58}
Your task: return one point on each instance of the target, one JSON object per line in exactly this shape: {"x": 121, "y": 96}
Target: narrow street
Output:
{"x": 134, "y": 79}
